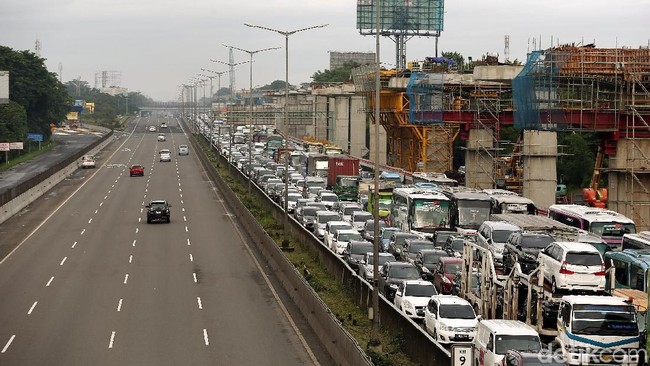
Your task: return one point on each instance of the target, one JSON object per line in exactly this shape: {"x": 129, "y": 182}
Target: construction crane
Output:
{"x": 593, "y": 195}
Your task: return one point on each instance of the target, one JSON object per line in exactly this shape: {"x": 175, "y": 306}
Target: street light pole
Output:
{"x": 375, "y": 341}
{"x": 231, "y": 134}
{"x": 286, "y": 35}
{"x": 250, "y": 130}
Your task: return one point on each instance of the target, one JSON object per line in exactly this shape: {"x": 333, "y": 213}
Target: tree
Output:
{"x": 575, "y": 167}
{"x": 37, "y": 90}
{"x": 276, "y": 85}
{"x": 457, "y": 57}
{"x": 338, "y": 74}
{"x": 13, "y": 122}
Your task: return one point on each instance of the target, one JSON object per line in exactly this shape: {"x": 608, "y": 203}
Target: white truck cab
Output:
{"x": 495, "y": 337}
{"x": 600, "y": 328}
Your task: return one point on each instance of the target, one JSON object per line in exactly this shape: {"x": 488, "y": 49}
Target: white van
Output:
{"x": 496, "y": 337}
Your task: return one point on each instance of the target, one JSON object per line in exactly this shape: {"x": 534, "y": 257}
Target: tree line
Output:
{"x": 37, "y": 98}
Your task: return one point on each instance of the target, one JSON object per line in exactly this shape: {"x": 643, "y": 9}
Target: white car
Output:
{"x": 161, "y": 137}
{"x": 163, "y": 125}
{"x": 342, "y": 238}
{"x": 322, "y": 218}
{"x": 87, "y": 162}
{"x": 330, "y": 230}
{"x": 493, "y": 235}
{"x": 152, "y": 128}
{"x": 292, "y": 200}
{"x": 165, "y": 155}
{"x": 367, "y": 265}
{"x": 450, "y": 319}
{"x": 573, "y": 266}
{"x": 359, "y": 218}
{"x": 412, "y": 297}
{"x": 183, "y": 150}
{"x": 329, "y": 199}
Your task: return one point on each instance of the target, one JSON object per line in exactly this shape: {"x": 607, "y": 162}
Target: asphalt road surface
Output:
{"x": 91, "y": 283}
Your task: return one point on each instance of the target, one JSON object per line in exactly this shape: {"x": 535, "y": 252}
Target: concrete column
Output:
{"x": 628, "y": 175}
{"x": 539, "y": 155}
{"x": 479, "y": 160}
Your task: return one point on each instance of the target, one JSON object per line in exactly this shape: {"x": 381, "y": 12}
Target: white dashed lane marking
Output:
{"x": 32, "y": 308}
{"x": 9, "y": 343}
{"x": 49, "y": 282}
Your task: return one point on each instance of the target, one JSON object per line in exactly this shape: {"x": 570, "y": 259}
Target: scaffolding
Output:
{"x": 596, "y": 90}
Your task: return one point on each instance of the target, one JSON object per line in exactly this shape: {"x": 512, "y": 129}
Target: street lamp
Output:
{"x": 250, "y": 130}
{"x": 286, "y": 35}
{"x": 231, "y": 134}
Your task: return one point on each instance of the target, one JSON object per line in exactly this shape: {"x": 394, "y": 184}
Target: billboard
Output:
{"x": 404, "y": 17}
{"x": 4, "y": 87}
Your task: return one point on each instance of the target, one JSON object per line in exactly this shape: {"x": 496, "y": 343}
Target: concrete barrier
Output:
{"x": 27, "y": 192}
{"x": 420, "y": 347}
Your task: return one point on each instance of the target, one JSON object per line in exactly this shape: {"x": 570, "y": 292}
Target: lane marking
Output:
{"x": 100, "y": 204}
{"x": 110, "y": 343}
{"x": 74, "y": 244}
{"x": 32, "y": 308}
{"x": 63, "y": 261}
{"x": 130, "y": 259}
{"x": 188, "y": 241}
{"x": 91, "y": 220}
{"x": 191, "y": 258}
{"x": 137, "y": 229}
{"x": 119, "y": 305}
{"x": 205, "y": 337}
{"x": 184, "y": 218}
{"x": 63, "y": 203}
{"x": 186, "y": 229}
{"x": 109, "y": 191}
{"x": 105, "y": 197}
{"x": 198, "y": 300}
{"x": 8, "y": 343}
{"x": 134, "y": 242}
{"x": 126, "y": 278}
{"x": 194, "y": 275}
{"x": 183, "y": 209}
{"x": 82, "y": 231}
{"x": 50, "y": 281}
{"x": 139, "y": 219}
{"x": 96, "y": 212}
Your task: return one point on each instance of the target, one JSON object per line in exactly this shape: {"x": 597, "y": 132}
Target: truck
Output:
{"x": 317, "y": 164}
{"x": 577, "y": 326}
{"x": 385, "y": 197}
{"x": 343, "y": 177}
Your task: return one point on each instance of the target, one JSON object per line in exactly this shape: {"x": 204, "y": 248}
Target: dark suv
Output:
{"x": 523, "y": 247}
{"x": 392, "y": 274}
{"x": 158, "y": 210}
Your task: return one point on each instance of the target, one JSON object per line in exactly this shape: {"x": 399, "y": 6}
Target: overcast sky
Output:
{"x": 157, "y": 45}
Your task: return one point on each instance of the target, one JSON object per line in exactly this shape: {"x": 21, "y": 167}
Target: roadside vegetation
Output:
{"x": 337, "y": 297}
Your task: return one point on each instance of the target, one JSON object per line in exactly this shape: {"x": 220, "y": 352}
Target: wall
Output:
{"x": 629, "y": 181}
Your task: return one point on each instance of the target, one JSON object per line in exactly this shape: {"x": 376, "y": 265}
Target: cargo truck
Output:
{"x": 317, "y": 164}
{"x": 343, "y": 177}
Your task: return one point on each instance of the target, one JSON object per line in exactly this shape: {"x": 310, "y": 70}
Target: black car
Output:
{"x": 523, "y": 247}
{"x": 396, "y": 243}
{"x": 158, "y": 210}
{"x": 353, "y": 254}
{"x": 427, "y": 261}
{"x": 440, "y": 237}
{"x": 454, "y": 245}
{"x": 413, "y": 246}
{"x": 392, "y": 274}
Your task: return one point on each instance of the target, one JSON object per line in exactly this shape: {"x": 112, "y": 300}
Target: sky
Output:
{"x": 158, "y": 45}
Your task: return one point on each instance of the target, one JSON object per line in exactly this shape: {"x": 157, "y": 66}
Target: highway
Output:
{"x": 91, "y": 283}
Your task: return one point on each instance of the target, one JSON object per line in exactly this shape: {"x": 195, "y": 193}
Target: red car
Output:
{"x": 445, "y": 274}
{"x": 136, "y": 170}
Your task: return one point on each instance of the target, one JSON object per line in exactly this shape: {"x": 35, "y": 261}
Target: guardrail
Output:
{"x": 419, "y": 346}
{"x": 23, "y": 187}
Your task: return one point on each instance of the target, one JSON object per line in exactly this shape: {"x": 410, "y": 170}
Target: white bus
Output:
{"x": 609, "y": 225}
{"x": 419, "y": 211}
{"x": 640, "y": 240}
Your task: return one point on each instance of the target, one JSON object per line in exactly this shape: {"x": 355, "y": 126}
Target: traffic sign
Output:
{"x": 4, "y": 146}
{"x": 35, "y": 136}
{"x": 461, "y": 355}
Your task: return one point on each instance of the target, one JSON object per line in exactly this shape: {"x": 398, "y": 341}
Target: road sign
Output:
{"x": 35, "y": 136}
{"x": 461, "y": 355}
{"x": 4, "y": 146}
{"x": 4, "y": 87}
{"x": 16, "y": 145}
